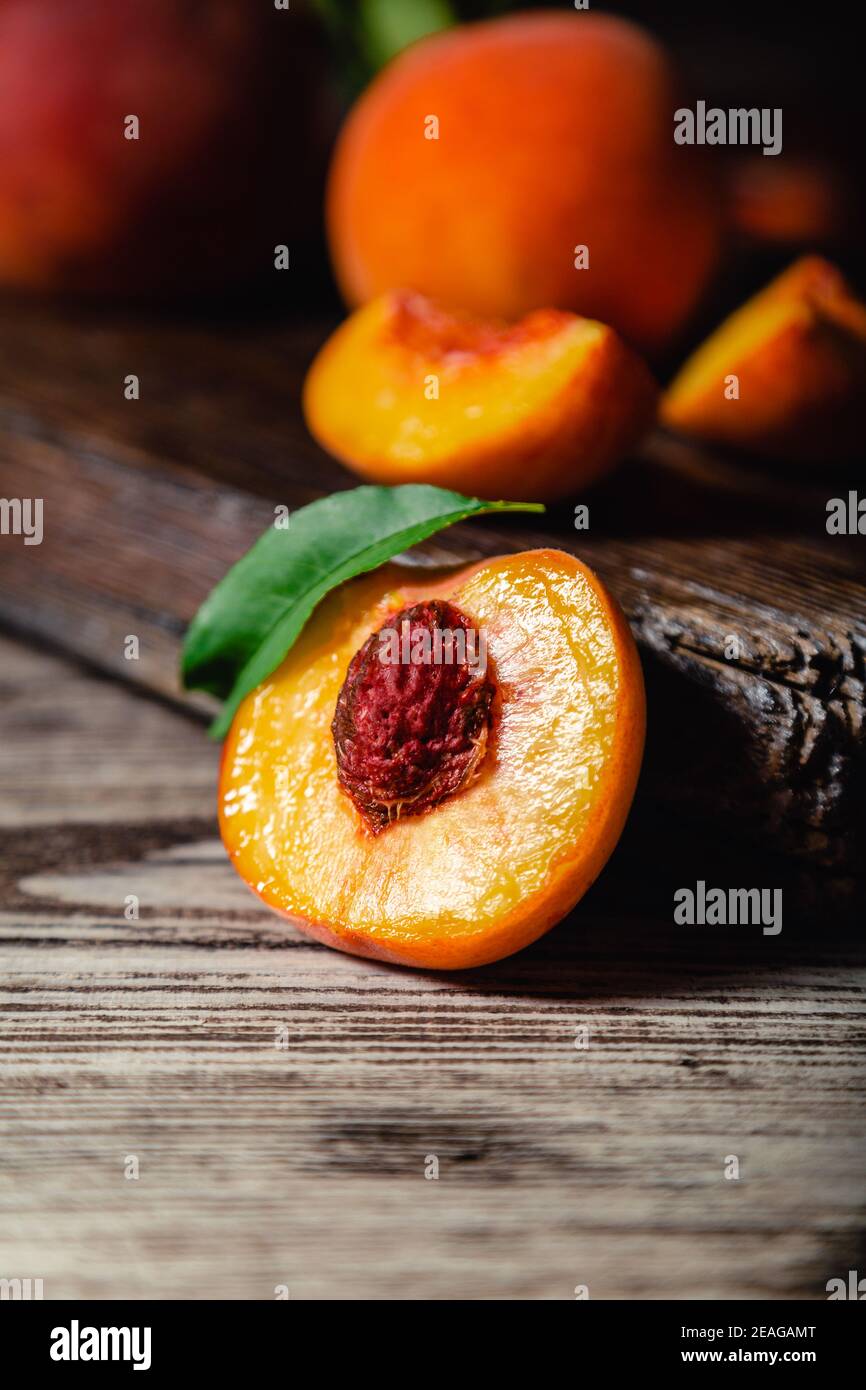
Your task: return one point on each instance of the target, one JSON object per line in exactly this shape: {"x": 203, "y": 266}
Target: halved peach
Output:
{"x": 405, "y": 392}
{"x": 501, "y": 793}
{"x": 798, "y": 352}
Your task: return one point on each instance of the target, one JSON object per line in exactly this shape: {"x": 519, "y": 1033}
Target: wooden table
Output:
{"x": 283, "y": 1103}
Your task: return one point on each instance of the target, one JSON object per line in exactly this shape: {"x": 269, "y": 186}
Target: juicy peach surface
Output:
{"x": 405, "y": 392}
{"x": 798, "y": 351}
{"x": 554, "y": 130}
{"x": 490, "y": 869}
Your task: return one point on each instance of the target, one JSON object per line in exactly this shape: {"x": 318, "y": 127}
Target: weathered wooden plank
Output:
{"x": 73, "y": 755}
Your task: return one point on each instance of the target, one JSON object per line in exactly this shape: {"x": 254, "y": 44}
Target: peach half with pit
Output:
{"x": 439, "y": 814}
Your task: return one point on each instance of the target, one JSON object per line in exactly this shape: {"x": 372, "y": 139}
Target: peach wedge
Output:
{"x": 783, "y": 377}
{"x": 406, "y": 392}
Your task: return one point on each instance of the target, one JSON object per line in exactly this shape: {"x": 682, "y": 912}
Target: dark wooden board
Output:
{"x": 147, "y": 502}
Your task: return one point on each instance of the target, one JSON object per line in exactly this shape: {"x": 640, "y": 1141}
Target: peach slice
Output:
{"x": 798, "y": 351}
{"x": 502, "y": 848}
{"x": 405, "y": 392}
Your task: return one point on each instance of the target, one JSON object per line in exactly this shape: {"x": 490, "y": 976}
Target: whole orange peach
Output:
{"x": 479, "y": 161}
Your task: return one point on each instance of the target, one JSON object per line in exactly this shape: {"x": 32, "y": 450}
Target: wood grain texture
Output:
{"x": 147, "y": 502}
{"x": 304, "y": 1164}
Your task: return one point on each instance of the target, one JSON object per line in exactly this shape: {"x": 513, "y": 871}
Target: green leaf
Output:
{"x": 250, "y": 620}
{"x": 364, "y": 34}
{"x": 391, "y": 25}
